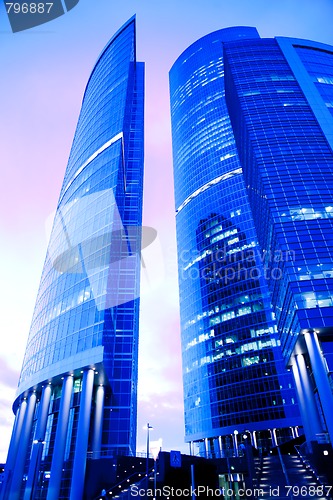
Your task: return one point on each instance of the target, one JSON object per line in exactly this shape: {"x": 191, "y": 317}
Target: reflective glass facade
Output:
{"x": 233, "y": 373}
{"x": 279, "y": 94}
{"x": 77, "y": 394}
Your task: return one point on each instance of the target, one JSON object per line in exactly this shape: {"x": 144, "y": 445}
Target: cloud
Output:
{"x": 6, "y": 413}
{"x": 160, "y": 392}
{"x": 165, "y": 414}
{"x": 8, "y": 375}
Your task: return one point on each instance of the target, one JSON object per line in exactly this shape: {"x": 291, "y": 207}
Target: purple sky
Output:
{"x": 43, "y": 75}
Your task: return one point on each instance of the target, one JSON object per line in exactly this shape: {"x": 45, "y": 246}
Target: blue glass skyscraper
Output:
{"x": 235, "y": 383}
{"x": 280, "y": 99}
{"x": 77, "y": 393}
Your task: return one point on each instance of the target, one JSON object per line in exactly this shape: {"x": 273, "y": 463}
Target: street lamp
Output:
{"x": 249, "y": 456}
{"x": 147, "y": 460}
{"x": 40, "y": 444}
{"x": 155, "y": 448}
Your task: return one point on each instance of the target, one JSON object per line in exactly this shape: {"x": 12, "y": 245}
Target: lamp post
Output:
{"x": 249, "y": 457}
{"x": 40, "y": 444}
{"x": 155, "y": 448}
{"x": 147, "y": 460}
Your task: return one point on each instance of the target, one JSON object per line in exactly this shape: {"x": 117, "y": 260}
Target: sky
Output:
{"x": 44, "y": 71}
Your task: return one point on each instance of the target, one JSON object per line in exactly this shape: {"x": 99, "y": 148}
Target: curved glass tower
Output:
{"x": 77, "y": 390}
{"x": 233, "y": 374}
{"x": 280, "y": 99}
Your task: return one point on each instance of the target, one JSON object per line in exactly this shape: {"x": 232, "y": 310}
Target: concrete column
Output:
{"x": 23, "y": 448}
{"x": 321, "y": 377}
{"x": 60, "y": 440}
{"x": 234, "y": 438}
{"x": 221, "y": 446}
{"x": 192, "y": 444}
{"x": 307, "y": 406}
{"x": 81, "y": 447}
{"x": 310, "y": 403}
{"x": 216, "y": 447}
{"x": 273, "y": 436}
{"x": 253, "y": 439}
{"x": 13, "y": 448}
{"x": 33, "y": 473}
{"x": 206, "y": 447}
{"x": 98, "y": 423}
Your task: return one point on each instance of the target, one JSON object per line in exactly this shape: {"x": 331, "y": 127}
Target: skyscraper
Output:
{"x": 77, "y": 390}
{"x": 280, "y": 98}
{"x": 235, "y": 383}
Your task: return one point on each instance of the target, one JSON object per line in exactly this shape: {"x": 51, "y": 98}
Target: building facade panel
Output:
{"x": 283, "y": 130}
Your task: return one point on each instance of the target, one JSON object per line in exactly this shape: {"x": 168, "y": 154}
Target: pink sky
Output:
{"x": 43, "y": 75}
